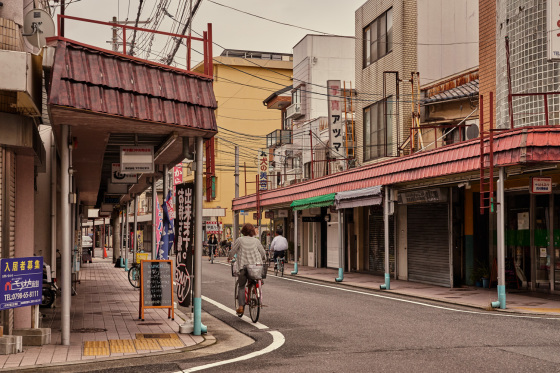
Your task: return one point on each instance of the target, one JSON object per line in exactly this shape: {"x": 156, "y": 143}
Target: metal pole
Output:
{"x": 311, "y": 152}
{"x": 501, "y": 243}
{"x": 154, "y": 214}
{"x": 340, "y": 249}
{"x": 103, "y": 240}
{"x": 258, "y": 204}
{"x": 165, "y": 182}
{"x": 236, "y": 213}
{"x": 135, "y": 241}
{"x": 199, "y": 328}
{"x": 126, "y": 229}
{"x": 295, "y": 271}
{"x": 65, "y": 252}
{"x": 387, "y": 284}
{"x": 115, "y": 38}
{"x": 121, "y": 247}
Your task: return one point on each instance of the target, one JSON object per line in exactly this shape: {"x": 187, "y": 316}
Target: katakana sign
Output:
{"x": 21, "y": 282}
{"x": 335, "y": 120}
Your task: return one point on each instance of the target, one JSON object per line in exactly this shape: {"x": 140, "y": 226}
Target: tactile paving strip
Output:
{"x": 170, "y": 342}
{"x": 146, "y": 344}
{"x": 96, "y": 348}
{"x": 122, "y": 345}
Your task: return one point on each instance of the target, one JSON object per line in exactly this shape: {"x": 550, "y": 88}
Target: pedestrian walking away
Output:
{"x": 279, "y": 245}
{"x": 249, "y": 250}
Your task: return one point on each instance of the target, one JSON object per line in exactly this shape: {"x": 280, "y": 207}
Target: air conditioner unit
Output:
{"x": 471, "y": 130}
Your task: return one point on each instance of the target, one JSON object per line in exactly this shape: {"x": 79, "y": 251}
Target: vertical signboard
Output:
{"x": 335, "y": 119}
{"x": 21, "y": 282}
{"x": 263, "y": 171}
{"x": 137, "y": 159}
{"x": 553, "y": 29}
{"x": 178, "y": 174}
{"x": 184, "y": 242}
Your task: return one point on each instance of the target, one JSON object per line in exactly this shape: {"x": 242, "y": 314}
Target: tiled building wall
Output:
{"x": 487, "y": 54}
{"x": 525, "y": 23}
{"x": 10, "y": 35}
{"x": 369, "y": 80}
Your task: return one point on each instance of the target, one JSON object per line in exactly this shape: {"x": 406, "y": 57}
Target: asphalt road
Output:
{"x": 316, "y": 327}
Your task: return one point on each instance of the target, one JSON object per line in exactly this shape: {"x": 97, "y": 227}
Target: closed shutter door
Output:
{"x": 377, "y": 242}
{"x": 332, "y": 245}
{"x": 428, "y": 244}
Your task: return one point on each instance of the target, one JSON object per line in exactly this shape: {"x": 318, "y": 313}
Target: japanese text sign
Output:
{"x": 117, "y": 177}
{"x": 184, "y": 236}
{"x": 541, "y": 185}
{"x": 21, "y": 281}
{"x": 137, "y": 159}
{"x": 263, "y": 171}
{"x": 335, "y": 119}
{"x": 177, "y": 174}
{"x": 553, "y": 29}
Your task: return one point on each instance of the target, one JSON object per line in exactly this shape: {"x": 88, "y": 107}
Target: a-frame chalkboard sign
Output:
{"x": 156, "y": 286}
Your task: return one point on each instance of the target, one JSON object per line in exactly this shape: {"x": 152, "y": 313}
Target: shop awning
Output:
{"x": 307, "y": 203}
{"x": 360, "y": 197}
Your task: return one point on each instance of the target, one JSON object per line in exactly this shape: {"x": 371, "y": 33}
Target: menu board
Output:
{"x": 156, "y": 285}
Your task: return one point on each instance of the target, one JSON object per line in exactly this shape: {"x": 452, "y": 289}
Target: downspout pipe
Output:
{"x": 387, "y": 285}
{"x": 198, "y": 327}
{"x": 501, "y": 303}
{"x": 295, "y": 271}
{"x": 340, "y": 249}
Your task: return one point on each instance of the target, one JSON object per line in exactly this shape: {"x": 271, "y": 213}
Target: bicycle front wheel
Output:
{"x": 254, "y": 303}
{"x": 134, "y": 277}
{"x": 236, "y": 292}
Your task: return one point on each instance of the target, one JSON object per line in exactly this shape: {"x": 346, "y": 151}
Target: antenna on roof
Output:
{"x": 37, "y": 27}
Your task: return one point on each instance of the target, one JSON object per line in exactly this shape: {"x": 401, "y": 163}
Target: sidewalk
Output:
{"x": 104, "y": 323}
{"x": 522, "y": 302}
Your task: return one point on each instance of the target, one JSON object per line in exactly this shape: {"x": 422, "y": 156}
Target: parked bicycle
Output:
{"x": 134, "y": 275}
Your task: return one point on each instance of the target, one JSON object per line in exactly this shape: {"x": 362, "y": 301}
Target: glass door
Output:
{"x": 541, "y": 241}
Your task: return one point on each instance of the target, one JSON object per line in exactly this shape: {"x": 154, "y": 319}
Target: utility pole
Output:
{"x": 236, "y": 213}
{"x": 115, "y": 43}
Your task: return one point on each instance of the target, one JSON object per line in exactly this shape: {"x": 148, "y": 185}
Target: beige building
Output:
{"x": 242, "y": 80}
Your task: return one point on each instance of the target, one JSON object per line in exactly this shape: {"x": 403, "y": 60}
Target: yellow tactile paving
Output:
{"x": 156, "y": 335}
{"x": 122, "y": 345}
{"x": 146, "y": 344}
{"x": 96, "y": 348}
{"x": 170, "y": 342}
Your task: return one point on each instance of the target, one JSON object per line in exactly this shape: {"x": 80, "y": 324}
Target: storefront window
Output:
{"x": 518, "y": 241}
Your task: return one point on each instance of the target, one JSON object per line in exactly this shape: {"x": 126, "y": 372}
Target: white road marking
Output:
{"x": 277, "y": 341}
{"x": 415, "y": 302}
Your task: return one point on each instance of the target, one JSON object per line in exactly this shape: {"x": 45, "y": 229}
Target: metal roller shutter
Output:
{"x": 428, "y": 244}
{"x": 377, "y": 242}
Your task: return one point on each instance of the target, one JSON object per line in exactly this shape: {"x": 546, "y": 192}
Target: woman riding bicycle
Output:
{"x": 212, "y": 245}
{"x": 249, "y": 250}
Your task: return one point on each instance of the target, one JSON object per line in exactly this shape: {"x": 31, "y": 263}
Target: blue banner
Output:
{"x": 167, "y": 236}
{"x": 21, "y": 282}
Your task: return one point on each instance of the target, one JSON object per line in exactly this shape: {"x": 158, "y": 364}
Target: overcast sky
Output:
{"x": 232, "y": 30}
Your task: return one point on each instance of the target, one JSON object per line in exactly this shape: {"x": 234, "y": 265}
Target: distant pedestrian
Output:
{"x": 279, "y": 245}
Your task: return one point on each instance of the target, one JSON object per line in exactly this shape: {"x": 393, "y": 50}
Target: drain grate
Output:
{"x": 150, "y": 323}
{"x": 156, "y": 336}
{"x": 89, "y": 330}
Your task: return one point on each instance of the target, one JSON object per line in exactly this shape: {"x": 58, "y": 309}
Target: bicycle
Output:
{"x": 134, "y": 275}
{"x": 279, "y": 266}
{"x": 212, "y": 253}
{"x": 253, "y": 294}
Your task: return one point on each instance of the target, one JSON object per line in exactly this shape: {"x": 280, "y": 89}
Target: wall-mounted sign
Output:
{"x": 21, "y": 281}
{"x": 311, "y": 219}
{"x": 541, "y": 185}
{"x": 213, "y": 227}
{"x": 269, "y": 215}
{"x": 111, "y": 199}
{"x": 282, "y": 213}
{"x": 116, "y": 188}
{"x": 137, "y": 159}
{"x": 552, "y": 30}
{"x": 423, "y": 196}
{"x": 117, "y": 177}
{"x": 263, "y": 171}
{"x": 336, "y": 137}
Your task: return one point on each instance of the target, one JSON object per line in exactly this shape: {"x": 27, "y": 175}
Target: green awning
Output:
{"x": 307, "y": 203}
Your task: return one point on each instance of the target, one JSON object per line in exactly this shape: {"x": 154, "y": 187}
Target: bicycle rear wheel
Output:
{"x": 236, "y": 292}
{"x": 276, "y": 265}
{"x": 282, "y": 267}
{"x": 254, "y": 303}
{"x": 134, "y": 277}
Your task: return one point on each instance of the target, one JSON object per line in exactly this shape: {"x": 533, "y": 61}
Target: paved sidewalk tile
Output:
{"x": 104, "y": 309}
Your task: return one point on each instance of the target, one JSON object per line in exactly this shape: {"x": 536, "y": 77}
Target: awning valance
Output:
{"x": 360, "y": 197}
{"x": 319, "y": 201}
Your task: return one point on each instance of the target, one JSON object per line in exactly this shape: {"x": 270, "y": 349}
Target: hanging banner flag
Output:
{"x": 335, "y": 120}
{"x": 184, "y": 226}
{"x": 159, "y": 225}
{"x": 167, "y": 238}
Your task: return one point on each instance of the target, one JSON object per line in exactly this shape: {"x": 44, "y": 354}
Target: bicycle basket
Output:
{"x": 254, "y": 271}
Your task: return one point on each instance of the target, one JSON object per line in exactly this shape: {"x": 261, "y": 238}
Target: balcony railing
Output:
{"x": 294, "y": 111}
{"x": 278, "y": 138}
